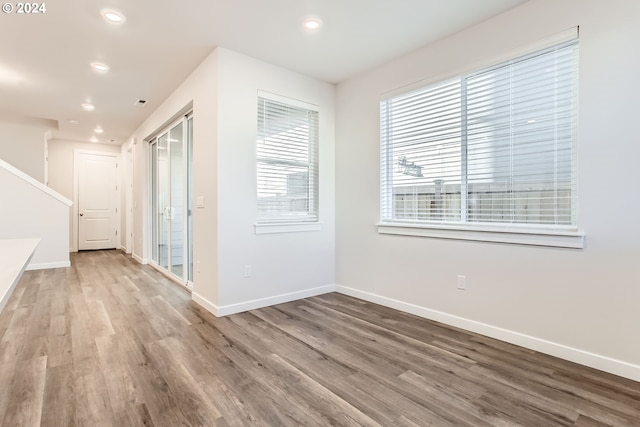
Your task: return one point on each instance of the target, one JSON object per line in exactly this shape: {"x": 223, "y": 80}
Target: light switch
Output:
{"x": 200, "y": 202}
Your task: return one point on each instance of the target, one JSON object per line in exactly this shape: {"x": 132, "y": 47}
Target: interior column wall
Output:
{"x": 283, "y": 266}
{"x": 198, "y": 93}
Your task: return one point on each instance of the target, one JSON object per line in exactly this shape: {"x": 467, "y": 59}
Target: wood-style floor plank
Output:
{"x": 108, "y": 342}
{"x": 59, "y": 402}
{"x": 25, "y": 407}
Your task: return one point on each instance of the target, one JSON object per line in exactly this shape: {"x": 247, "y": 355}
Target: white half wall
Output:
{"x": 34, "y": 211}
{"x": 581, "y": 301}
{"x": 15, "y": 255}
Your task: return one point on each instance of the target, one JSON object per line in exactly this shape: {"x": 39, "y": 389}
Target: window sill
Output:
{"x": 518, "y": 236}
{"x": 288, "y": 227}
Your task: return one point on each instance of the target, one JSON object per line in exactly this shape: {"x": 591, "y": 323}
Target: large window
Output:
{"x": 287, "y": 162}
{"x": 493, "y": 147}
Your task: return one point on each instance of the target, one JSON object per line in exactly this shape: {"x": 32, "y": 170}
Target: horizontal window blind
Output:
{"x": 287, "y": 163}
{"x": 495, "y": 146}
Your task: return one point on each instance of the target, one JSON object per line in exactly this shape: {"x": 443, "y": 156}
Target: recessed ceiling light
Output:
{"x": 73, "y": 122}
{"x": 312, "y": 24}
{"x": 9, "y": 76}
{"x": 113, "y": 16}
{"x": 87, "y": 106}
{"x": 99, "y": 67}
{"x": 93, "y": 139}
{"x": 98, "y": 130}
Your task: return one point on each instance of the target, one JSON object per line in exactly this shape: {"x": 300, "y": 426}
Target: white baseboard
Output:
{"x": 603, "y": 363}
{"x": 205, "y": 303}
{"x": 139, "y": 259}
{"x": 46, "y": 265}
{"x": 226, "y": 310}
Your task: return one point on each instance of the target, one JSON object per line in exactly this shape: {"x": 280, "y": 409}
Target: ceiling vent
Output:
{"x": 140, "y": 103}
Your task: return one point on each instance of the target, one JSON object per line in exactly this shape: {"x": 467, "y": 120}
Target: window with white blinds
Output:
{"x": 287, "y": 163}
{"x": 496, "y": 146}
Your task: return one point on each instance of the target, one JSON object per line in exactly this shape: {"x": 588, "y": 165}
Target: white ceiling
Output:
{"x": 44, "y": 60}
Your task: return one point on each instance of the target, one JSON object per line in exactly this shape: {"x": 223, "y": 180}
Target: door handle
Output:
{"x": 168, "y": 213}
{"x": 82, "y": 214}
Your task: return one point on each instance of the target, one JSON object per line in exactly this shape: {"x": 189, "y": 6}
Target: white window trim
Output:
{"x": 287, "y": 100}
{"x": 567, "y": 237}
{"x": 563, "y": 36}
{"x": 533, "y": 236}
{"x": 287, "y": 227}
{"x": 283, "y": 226}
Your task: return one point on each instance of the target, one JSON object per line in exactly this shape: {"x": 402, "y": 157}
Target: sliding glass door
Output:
{"x": 171, "y": 200}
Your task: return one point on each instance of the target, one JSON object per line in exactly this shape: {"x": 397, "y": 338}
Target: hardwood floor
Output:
{"x": 108, "y": 342}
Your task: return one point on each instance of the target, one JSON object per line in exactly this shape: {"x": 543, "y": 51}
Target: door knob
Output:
{"x": 81, "y": 214}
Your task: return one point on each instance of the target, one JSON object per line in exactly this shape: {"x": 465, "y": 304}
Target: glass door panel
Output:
{"x": 178, "y": 193}
{"x": 164, "y": 207}
{"x": 190, "y": 198}
{"x": 155, "y": 215}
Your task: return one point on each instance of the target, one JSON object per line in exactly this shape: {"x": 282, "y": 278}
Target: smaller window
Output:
{"x": 287, "y": 162}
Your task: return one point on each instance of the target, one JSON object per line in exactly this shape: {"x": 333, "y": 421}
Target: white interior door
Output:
{"x": 97, "y": 201}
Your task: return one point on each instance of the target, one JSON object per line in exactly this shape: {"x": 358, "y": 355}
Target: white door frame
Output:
{"x": 128, "y": 183}
{"x": 76, "y": 176}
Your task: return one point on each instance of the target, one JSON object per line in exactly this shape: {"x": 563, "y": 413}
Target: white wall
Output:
{"x": 578, "y": 304}
{"x": 223, "y": 92}
{"x": 34, "y": 211}
{"x": 22, "y": 146}
{"x": 61, "y": 175}
{"x": 286, "y": 265}
{"x": 199, "y": 91}
{"x": 126, "y": 179}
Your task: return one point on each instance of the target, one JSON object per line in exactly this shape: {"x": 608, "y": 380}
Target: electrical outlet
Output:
{"x": 247, "y": 271}
{"x": 462, "y": 282}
